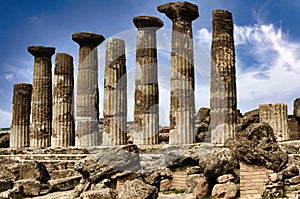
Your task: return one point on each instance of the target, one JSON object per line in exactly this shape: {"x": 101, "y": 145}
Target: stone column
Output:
{"x": 115, "y": 94}
{"x": 41, "y": 108}
{"x": 87, "y": 98}
{"x": 297, "y": 108}
{"x": 146, "y": 117}
{"x": 276, "y": 116}
{"x": 63, "y": 128}
{"x": 223, "y": 99}
{"x": 182, "y": 102}
{"x": 20, "y": 125}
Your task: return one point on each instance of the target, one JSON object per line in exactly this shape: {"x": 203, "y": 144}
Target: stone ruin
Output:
{"x": 203, "y": 153}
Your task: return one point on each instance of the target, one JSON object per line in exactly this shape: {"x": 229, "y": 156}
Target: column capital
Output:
{"x": 147, "y": 22}
{"x": 41, "y": 51}
{"x": 88, "y": 39}
{"x": 179, "y": 10}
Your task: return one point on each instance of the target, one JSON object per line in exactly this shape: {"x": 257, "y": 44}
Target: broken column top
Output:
{"x": 63, "y": 64}
{"x": 41, "y": 51}
{"x": 19, "y": 86}
{"x": 88, "y": 39}
{"x": 297, "y": 107}
{"x": 147, "y": 22}
{"x": 222, "y": 21}
{"x": 179, "y": 10}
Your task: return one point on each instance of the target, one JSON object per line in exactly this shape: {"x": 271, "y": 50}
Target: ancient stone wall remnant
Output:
{"x": 63, "y": 128}
{"x": 41, "y": 108}
{"x": 182, "y": 84}
{"x": 20, "y": 125}
{"x": 87, "y": 98}
{"x": 115, "y": 94}
{"x": 276, "y": 116}
{"x": 146, "y": 110}
{"x": 223, "y": 100}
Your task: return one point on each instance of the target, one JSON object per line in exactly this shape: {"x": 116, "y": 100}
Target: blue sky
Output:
{"x": 267, "y": 37}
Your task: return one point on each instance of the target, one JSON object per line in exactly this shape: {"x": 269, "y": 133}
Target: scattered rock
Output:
{"x": 198, "y": 185}
{"x": 64, "y": 184}
{"x": 288, "y": 172}
{"x": 34, "y": 170}
{"x": 203, "y": 115}
{"x": 221, "y": 161}
{"x": 4, "y": 140}
{"x": 106, "y": 193}
{"x": 138, "y": 189}
{"x": 15, "y": 193}
{"x": 31, "y": 187}
{"x": 224, "y": 191}
{"x": 65, "y": 173}
{"x": 225, "y": 178}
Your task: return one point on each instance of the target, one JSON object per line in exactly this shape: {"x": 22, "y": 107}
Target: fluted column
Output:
{"x": 223, "y": 99}
{"x": 182, "y": 100}
{"x": 276, "y": 116}
{"x": 20, "y": 125}
{"x": 146, "y": 117}
{"x": 297, "y": 108}
{"x": 87, "y": 98}
{"x": 63, "y": 127}
{"x": 41, "y": 108}
{"x": 115, "y": 94}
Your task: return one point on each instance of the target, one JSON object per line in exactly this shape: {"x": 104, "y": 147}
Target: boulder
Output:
{"x": 107, "y": 161}
{"x": 31, "y": 187}
{"x": 106, "y": 193}
{"x": 257, "y": 145}
{"x": 197, "y": 185}
{"x": 138, "y": 189}
{"x": 64, "y": 184}
{"x": 34, "y": 170}
{"x": 203, "y": 115}
{"x": 221, "y": 161}
{"x": 64, "y": 173}
{"x": 6, "y": 179}
{"x": 224, "y": 191}
{"x": 288, "y": 172}
{"x": 15, "y": 193}
{"x": 225, "y": 178}
{"x": 4, "y": 140}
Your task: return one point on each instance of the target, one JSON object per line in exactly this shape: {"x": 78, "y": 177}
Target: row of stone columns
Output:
{"x": 146, "y": 117}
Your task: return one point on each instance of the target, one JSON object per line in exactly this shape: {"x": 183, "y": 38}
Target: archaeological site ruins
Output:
{"x": 59, "y": 146}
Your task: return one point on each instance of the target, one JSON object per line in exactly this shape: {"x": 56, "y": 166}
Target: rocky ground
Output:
{"x": 162, "y": 171}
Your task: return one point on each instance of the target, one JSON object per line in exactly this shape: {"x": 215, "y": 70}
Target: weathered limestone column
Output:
{"x": 182, "y": 100}
{"x": 297, "y": 108}
{"x": 20, "y": 125}
{"x": 276, "y": 116}
{"x": 115, "y": 94}
{"x": 63, "y": 127}
{"x": 146, "y": 117}
{"x": 223, "y": 100}
{"x": 87, "y": 98}
{"x": 41, "y": 108}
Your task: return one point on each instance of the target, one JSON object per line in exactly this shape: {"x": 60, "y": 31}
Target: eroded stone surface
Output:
{"x": 41, "y": 106}
{"x": 63, "y": 126}
{"x": 115, "y": 94}
{"x": 223, "y": 100}
{"x": 182, "y": 102}
{"x": 20, "y": 125}
{"x": 87, "y": 98}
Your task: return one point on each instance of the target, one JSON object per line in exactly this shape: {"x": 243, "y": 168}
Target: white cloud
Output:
{"x": 268, "y": 67}
{"x": 5, "y": 118}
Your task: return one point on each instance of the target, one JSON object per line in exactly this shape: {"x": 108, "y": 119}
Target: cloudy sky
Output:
{"x": 267, "y": 39}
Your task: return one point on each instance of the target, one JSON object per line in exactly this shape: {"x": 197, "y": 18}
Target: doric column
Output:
{"x": 63, "y": 128}
{"x": 276, "y": 116}
{"x": 20, "y": 125}
{"x": 146, "y": 117}
{"x": 182, "y": 102}
{"x": 223, "y": 99}
{"x": 297, "y": 108}
{"x": 87, "y": 98}
{"x": 41, "y": 108}
{"x": 115, "y": 94}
